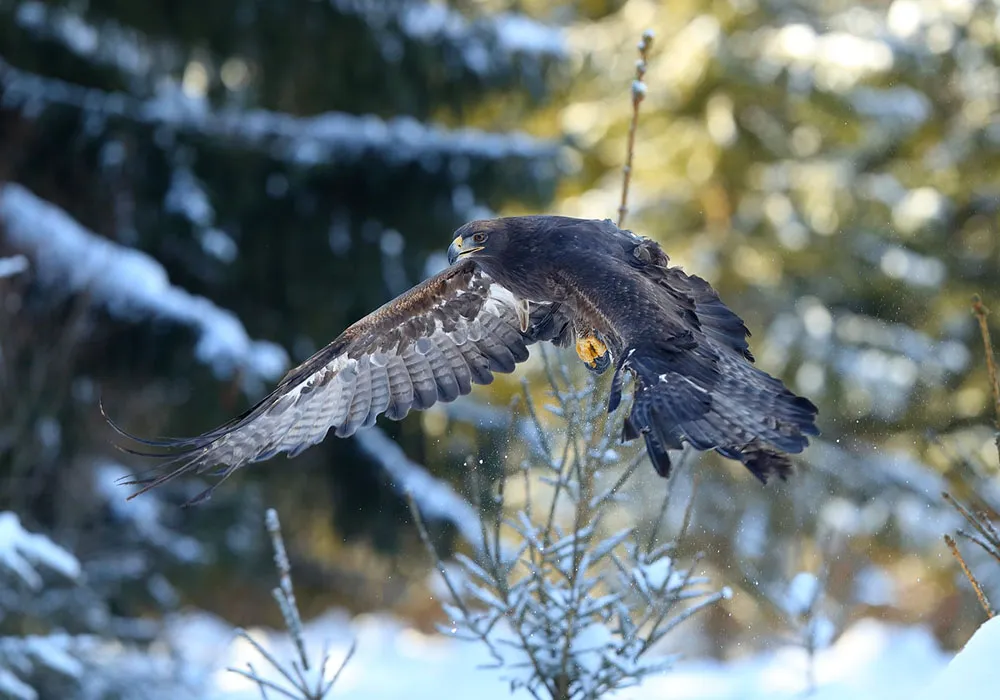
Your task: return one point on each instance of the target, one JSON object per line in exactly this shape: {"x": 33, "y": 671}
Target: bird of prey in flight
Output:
{"x": 512, "y": 282}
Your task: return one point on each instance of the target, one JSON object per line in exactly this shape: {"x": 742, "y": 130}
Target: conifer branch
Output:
{"x": 296, "y": 673}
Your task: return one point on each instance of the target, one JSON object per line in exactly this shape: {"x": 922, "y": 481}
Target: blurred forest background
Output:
{"x": 206, "y": 193}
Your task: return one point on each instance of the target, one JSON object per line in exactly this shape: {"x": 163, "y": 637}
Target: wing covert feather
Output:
{"x": 430, "y": 344}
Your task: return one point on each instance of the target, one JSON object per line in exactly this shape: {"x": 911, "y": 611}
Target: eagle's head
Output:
{"x": 486, "y": 238}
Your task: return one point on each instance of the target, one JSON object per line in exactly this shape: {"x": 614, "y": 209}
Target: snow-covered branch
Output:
{"x": 127, "y": 282}
{"x": 298, "y": 679}
{"x": 102, "y": 43}
{"x": 567, "y": 608}
{"x": 303, "y": 141}
{"x": 23, "y": 553}
{"x": 14, "y": 265}
{"x": 487, "y": 45}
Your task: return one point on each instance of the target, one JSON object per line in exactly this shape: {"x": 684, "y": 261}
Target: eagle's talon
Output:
{"x": 600, "y": 364}
{"x": 594, "y": 353}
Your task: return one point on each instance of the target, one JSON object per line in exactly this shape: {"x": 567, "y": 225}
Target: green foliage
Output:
{"x": 830, "y": 168}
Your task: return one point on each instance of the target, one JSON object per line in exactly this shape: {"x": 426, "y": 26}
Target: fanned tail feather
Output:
{"x": 182, "y": 456}
{"x": 714, "y": 400}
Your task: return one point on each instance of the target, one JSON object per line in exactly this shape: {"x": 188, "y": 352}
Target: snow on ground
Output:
{"x": 872, "y": 660}
{"x": 129, "y": 283}
{"x": 974, "y": 672}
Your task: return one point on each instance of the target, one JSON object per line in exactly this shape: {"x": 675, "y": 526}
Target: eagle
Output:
{"x": 512, "y": 282}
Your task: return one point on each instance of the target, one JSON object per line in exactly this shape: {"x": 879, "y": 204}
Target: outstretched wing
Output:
{"x": 430, "y": 344}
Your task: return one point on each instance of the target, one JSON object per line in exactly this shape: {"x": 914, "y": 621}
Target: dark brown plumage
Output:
{"x": 513, "y": 282}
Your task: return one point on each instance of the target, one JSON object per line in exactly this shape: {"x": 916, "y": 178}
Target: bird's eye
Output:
{"x": 479, "y": 238}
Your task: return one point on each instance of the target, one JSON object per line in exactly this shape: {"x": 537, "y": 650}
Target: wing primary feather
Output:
{"x": 430, "y": 344}
{"x": 714, "y": 399}
{"x": 400, "y": 389}
{"x": 478, "y": 363}
{"x": 456, "y": 362}
{"x": 444, "y": 377}
{"x": 361, "y": 401}
{"x": 424, "y": 386}
{"x": 500, "y": 358}
{"x": 379, "y": 389}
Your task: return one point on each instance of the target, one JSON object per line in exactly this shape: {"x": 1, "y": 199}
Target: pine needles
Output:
{"x": 568, "y": 607}
{"x": 301, "y": 684}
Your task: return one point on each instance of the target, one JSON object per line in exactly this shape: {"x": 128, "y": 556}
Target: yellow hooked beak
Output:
{"x": 456, "y": 250}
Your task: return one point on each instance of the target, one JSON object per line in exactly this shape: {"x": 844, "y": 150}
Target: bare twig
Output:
{"x": 425, "y": 537}
{"x": 638, "y": 93}
{"x": 990, "y": 541}
{"x": 261, "y": 686}
{"x": 340, "y": 669}
{"x": 263, "y": 683}
{"x": 953, "y": 546}
{"x": 981, "y": 312}
{"x": 689, "y": 508}
{"x": 274, "y": 662}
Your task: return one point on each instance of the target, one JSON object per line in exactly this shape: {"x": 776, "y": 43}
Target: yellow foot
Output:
{"x": 593, "y": 352}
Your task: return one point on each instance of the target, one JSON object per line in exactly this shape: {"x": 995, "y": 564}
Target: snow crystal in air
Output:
{"x": 435, "y": 498}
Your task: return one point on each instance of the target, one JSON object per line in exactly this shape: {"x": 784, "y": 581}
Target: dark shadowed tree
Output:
{"x": 289, "y": 166}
